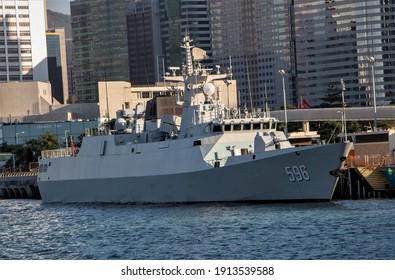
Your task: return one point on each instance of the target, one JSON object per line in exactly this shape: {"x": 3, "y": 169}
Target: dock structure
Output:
{"x": 370, "y": 166}
{"x": 365, "y": 181}
{"x": 19, "y": 185}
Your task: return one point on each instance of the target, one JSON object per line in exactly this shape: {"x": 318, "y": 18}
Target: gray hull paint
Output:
{"x": 259, "y": 179}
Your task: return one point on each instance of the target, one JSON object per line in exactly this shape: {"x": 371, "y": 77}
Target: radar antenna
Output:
{"x": 187, "y": 46}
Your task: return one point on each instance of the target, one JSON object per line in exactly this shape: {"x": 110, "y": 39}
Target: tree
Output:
{"x": 329, "y": 130}
{"x": 30, "y": 151}
{"x": 332, "y": 98}
{"x": 354, "y": 127}
{"x": 48, "y": 141}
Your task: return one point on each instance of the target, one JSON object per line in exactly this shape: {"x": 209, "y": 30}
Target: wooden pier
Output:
{"x": 364, "y": 182}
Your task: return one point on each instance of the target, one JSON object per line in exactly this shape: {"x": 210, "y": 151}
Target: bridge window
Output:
{"x": 197, "y": 143}
{"x": 217, "y": 128}
{"x": 247, "y": 126}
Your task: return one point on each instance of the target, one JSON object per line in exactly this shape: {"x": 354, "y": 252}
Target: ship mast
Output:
{"x": 189, "y": 80}
{"x": 193, "y": 79}
{"x": 188, "y": 55}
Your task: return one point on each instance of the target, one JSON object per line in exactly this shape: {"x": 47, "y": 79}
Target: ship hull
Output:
{"x": 295, "y": 174}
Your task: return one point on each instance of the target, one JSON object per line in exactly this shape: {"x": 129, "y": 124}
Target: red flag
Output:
{"x": 72, "y": 145}
{"x": 303, "y": 104}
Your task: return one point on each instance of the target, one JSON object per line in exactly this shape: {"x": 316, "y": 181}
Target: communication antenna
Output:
{"x": 230, "y": 67}
{"x": 173, "y": 70}
{"x": 199, "y": 54}
{"x": 217, "y": 67}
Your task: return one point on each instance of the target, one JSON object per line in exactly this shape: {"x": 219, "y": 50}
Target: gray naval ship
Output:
{"x": 213, "y": 155}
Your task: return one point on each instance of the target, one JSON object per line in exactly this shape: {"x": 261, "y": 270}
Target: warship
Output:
{"x": 213, "y": 154}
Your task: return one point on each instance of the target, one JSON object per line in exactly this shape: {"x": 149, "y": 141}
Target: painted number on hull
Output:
{"x": 297, "y": 173}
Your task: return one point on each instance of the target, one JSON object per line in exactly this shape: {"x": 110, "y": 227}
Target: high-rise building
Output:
{"x": 23, "y": 56}
{"x": 178, "y": 16}
{"x": 57, "y": 64}
{"x": 100, "y": 45}
{"x": 335, "y": 40}
{"x": 144, "y": 42}
{"x": 255, "y": 38}
{"x": 70, "y": 68}
{"x": 317, "y": 43}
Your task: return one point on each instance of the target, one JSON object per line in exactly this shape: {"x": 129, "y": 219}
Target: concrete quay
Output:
{"x": 19, "y": 185}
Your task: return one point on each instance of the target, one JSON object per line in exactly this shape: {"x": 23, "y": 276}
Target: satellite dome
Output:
{"x": 208, "y": 89}
{"x": 120, "y": 124}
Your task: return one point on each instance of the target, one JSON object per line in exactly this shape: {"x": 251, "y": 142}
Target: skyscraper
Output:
{"x": 57, "y": 64}
{"x": 23, "y": 56}
{"x": 255, "y": 36}
{"x": 178, "y": 16}
{"x": 100, "y": 44}
{"x": 335, "y": 39}
{"x": 144, "y": 42}
{"x": 317, "y": 43}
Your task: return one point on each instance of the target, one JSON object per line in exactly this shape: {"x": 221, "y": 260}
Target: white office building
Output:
{"x": 23, "y": 52}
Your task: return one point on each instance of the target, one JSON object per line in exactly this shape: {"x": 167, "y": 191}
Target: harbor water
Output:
{"x": 340, "y": 230}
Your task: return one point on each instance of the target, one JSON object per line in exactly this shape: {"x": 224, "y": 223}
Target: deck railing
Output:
{"x": 370, "y": 160}
{"x": 63, "y": 152}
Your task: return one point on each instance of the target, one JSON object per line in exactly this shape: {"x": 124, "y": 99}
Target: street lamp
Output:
{"x": 16, "y": 136}
{"x": 372, "y": 60}
{"x": 283, "y": 73}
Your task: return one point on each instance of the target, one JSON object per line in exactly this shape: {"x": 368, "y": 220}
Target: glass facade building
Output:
{"x": 334, "y": 39}
{"x": 57, "y": 64}
{"x": 177, "y": 16}
{"x": 100, "y": 45}
{"x": 141, "y": 43}
{"x": 256, "y": 37}
{"x": 318, "y": 43}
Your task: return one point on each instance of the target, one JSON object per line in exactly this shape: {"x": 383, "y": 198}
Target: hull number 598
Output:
{"x": 297, "y": 173}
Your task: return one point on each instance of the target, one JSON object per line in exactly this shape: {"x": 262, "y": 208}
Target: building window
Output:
{"x": 12, "y": 50}
{"x": 28, "y": 77}
{"x": 14, "y": 78}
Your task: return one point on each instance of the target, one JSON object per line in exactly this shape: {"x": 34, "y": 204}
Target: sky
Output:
{"x": 61, "y": 6}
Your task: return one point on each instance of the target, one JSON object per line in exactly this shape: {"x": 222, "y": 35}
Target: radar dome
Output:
{"x": 208, "y": 89}
{"x": 120, "y": 124}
